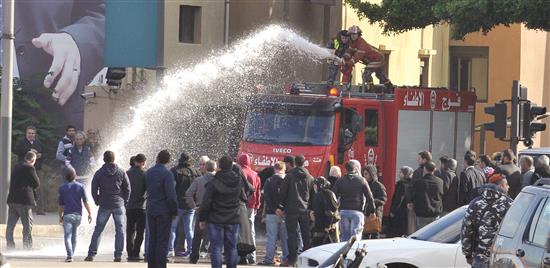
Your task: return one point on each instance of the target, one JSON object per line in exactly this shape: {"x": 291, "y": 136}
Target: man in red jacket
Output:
{"x": 361, "y": 51}
{"x": 254, "y": 201}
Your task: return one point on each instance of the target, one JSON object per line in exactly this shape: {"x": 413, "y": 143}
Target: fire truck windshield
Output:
{"x": 290, "y": 127}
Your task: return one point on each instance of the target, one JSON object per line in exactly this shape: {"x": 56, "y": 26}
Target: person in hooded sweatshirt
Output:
{"x": 450, "y": 185}
{"x": 296, "y": 193}
{"x": 399, "y": 221}
{"x": 254, "y": 201}
{"x": 370, "y": 173}
{"x": 355, "y": 197}
{"x": 482, "y": 221}
{"x": 184, "y": 174}
{"x": 219, "y": 213}
{"x": 111, "y": 192}
{"x": 324, "y": 214}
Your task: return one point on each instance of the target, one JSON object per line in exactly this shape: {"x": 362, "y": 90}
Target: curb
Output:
{"x": 37, "y": 230}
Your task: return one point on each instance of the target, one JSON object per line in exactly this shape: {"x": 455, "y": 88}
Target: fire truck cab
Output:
{"x": 331, "y": 125}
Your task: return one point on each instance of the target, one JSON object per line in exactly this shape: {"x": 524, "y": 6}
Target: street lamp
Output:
{"x": 6, "y": 105}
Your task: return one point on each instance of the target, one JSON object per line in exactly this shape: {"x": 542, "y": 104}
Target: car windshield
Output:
{"x": 291, "y": 127}
{"x": 444, "y": 230}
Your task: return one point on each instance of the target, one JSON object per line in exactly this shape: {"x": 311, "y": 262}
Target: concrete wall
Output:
{"x": 212, "y": 29}
{"x": 535, "y": 73}
{"x": 504, "y": 66}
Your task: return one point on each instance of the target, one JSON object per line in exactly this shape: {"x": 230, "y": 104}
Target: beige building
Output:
{"x": 194, "y": 28}
{"x": 485, "y": 63}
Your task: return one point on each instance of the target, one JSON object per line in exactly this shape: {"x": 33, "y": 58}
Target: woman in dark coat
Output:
{"x": 401, "y": 197}
{"x": 245, "y": 245}
{"x": 324, "y": 214}
{"x": 370, "y": 173}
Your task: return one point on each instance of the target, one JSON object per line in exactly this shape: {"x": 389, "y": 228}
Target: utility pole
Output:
{"x": 6, "y": 105}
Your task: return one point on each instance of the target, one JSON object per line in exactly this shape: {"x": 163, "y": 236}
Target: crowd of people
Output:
{"x": 195, "y": 209}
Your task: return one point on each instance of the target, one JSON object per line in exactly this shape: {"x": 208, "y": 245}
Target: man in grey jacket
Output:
{"x": 193, "y": 197}
{"x": 356, "y": 201}
{"x": 111, "y": 191}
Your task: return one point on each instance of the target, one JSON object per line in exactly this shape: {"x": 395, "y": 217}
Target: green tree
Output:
{"x": 464, "y": 16}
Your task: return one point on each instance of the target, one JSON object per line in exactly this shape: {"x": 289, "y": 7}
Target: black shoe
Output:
{"x": 389, "y": 88}
{"x": 69, "y": 259}
{"x": 89, "y": 258}
{"x": 193, "y": 261}
{"x": 117, "y": 259}
{"x": 134, "y": 259}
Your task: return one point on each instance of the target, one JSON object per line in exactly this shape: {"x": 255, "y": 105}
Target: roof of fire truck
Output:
{"x": 322, "y": 96}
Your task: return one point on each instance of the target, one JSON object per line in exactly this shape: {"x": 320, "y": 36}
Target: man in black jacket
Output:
{"x": 21, "y": 199}
{"x": 296, "y": 193}
{"x": 511, "y": 171}
{"x": 135, "y": 209}
{"x": 542, "y": 169}
{"x": 184, "y": 174}
{"x": 423, "y": 158}
{"x": 219, "y": 208}
{"x": 354, "y": 194}
{"x": 470, "y": 179}
{"x": 31, "y": 143}
{"x": 427, "y": 197}
{"x": 274, "y": 224}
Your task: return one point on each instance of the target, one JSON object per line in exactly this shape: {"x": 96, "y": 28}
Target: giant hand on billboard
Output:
{"x": 65, "y": 64}
{"x": 59, "y": 45}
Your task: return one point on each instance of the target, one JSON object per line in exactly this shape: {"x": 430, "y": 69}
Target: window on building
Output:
{"x": 469, "y": 70}
{"x": 424, "y": 71}
{"x": 371, "y": 127}
{"x": 190, "y": 24}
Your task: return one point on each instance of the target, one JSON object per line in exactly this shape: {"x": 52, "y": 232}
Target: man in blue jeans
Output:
{"x": 111, "y": 191}
{"x": 354, "y": 193}
{"x": 162, "y": 207}
{"x": 184, "y": 175}
{"x": 71, "y": 197}
{"x": 274, "y": 224}
{"x": 220, "y": 208}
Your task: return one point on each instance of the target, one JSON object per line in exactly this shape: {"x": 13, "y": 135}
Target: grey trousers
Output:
{"x": 16, "y": 212}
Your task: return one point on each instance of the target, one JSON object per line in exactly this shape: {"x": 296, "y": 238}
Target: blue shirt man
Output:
{"x": 71, "y": 197}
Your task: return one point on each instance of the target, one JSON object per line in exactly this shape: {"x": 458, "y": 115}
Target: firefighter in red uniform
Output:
{"x": 361, "y": 51}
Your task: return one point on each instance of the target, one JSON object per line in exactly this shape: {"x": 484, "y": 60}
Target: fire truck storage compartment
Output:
{"x": 414, "y": 136}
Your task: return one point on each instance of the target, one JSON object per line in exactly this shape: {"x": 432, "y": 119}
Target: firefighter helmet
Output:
{"x": 354, "y": 30}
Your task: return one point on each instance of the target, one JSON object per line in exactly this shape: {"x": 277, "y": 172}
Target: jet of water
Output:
{"x": 224, "y": 79}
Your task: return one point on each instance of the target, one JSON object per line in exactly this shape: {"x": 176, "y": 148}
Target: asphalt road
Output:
{"x": 50, "y": 252}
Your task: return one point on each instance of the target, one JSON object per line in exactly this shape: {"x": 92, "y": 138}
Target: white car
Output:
{"x": 434, "y": 246}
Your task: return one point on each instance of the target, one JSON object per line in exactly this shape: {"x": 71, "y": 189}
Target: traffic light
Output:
{"x": 528, "y": 128}
{"x": 499, "y": 123}
{"x": 114, "y": 76}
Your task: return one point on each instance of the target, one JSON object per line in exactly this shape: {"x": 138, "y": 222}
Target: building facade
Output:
{"x": 487, "y": 64}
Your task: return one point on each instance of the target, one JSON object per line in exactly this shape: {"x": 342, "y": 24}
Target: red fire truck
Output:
{"x": 331, "y": 125}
